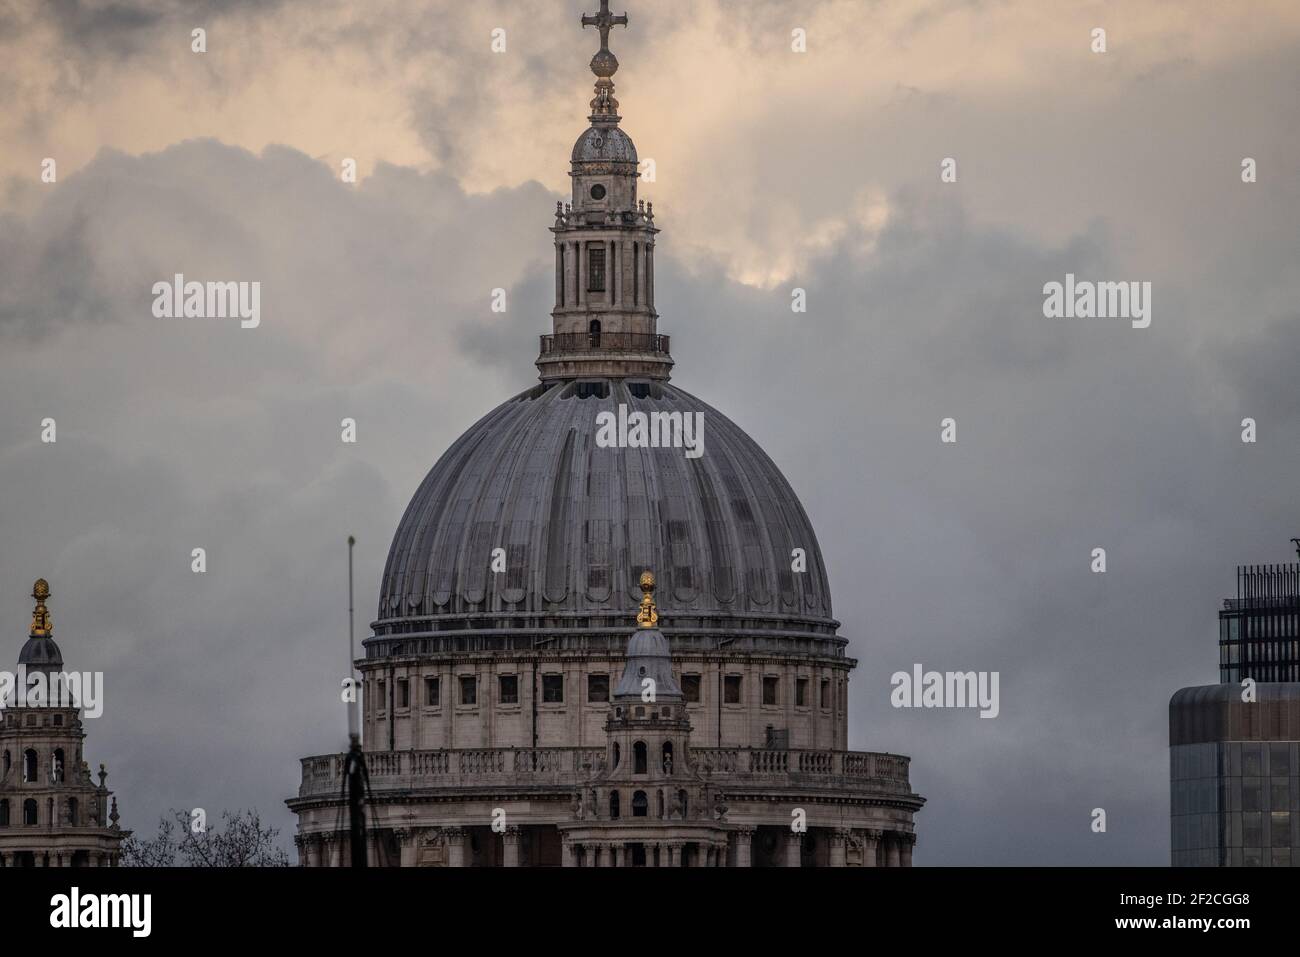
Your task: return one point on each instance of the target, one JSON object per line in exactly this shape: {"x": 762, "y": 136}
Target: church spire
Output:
{"x": 604, "y": 324}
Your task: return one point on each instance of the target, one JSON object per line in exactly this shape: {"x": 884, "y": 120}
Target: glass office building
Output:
{"x": 1259, "y": 630}
{"x": 1235, "y": 776}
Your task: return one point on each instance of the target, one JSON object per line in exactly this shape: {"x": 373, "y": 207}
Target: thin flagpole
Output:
{"x": 353, "y": 730}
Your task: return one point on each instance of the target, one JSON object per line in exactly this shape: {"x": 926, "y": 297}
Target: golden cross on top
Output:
{"x": 604, "y": 22}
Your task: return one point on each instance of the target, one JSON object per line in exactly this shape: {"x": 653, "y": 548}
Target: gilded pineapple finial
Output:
{"x": 648, "y": 616}
{"x": 41, "y": 627}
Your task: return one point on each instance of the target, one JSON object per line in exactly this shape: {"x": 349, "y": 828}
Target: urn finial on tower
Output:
{"x": 41, "y": 626}
{"x": 648, "y": 616}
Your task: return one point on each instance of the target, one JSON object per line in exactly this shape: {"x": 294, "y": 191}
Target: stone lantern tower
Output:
{"x": 604, "y": 319}
{"x": 52, "y": 814}
{"x": 649, "y": 805}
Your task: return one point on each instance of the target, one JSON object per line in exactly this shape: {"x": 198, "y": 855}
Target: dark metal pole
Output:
{"x": 354, "y": 773}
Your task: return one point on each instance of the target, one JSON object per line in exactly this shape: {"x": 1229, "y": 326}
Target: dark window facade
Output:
{"x": 691, "y": 687}
{"x": 468, "y": 689}
{"x": 553, "y": 689}
{"x": 596, "y": 268}
{"x": 731, "y": 689}
{"x": 509, "y": 689}
{"x": 597, "y": 688}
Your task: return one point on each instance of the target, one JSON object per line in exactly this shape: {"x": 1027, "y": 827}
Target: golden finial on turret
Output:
{"x": 648, "y": 616}
{"x": 41, "y": 627}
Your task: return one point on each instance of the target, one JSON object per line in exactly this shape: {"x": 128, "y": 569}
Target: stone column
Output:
{"x": 870, "y": 845}
{"x": 616, "y": 273}
{"x": 674, "y": 855}
{"x": 839, "y": 854}
{"x": 455, "y": 838}
{"x": 907, "y": 840}
{"x": 891, "y": 850}
{"x": 641, "y": 273}
{"x": 580, "y": 264}
{"x": 744, "y": 846}
{"x": 793, "y": 848}
{"x": 569, "y": 297}
{"x": 408, "y": 840}
{"x": 618, "y": 855}
{"x": 625, "y": 273}
{"x": 510, "y": 843}
{"x": 559, "y": 274}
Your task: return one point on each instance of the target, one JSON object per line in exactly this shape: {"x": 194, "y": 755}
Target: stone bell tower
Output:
{"x": 52, "y": 813}
{"x": 649, "y": 804}
{"x": 604, "y": 321}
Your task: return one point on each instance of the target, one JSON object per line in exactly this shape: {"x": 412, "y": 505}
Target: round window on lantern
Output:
{"x": 598, "y": 192}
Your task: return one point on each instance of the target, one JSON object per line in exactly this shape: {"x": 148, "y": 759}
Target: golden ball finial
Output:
{"x": 41, "y": 627}
{"x": 648, "y": 616}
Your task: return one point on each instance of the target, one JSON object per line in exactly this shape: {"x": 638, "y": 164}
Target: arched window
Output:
{"x": 9, "y": 761}
{"x": 617, "y": 755}
{"x": 72, "y": 811}
{"x": 639, "y": 758}
{"x": 29, "y": 811}
{"x": 668, "y": 757}
{"x": 29, "y": 765}
{"x": 4, "y": 812}
{"x": 594, "y": 329}
{"x": 681, "y": 799}
{"x": 640, "y": 804}
{"x": 58, "y": 764}
{"x": 613, "y": 805}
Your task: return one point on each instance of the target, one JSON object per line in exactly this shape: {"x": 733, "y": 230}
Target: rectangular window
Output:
{"x": 826, "y": 693}
{"x": 1281, "y": 829}
{"x": 1279, "y": 763}
{"x": 596, "y": 267}
{"x": 769, "y": 689}
{"x": 597, "y": 688}
{"x": 731, "y": 689}
{"x": 552, "y": 689}
{"x": 691, "y": 687}
{"x": 381, "y": 695}
{"x": 431, "y": 692}
{"x": 468, "y": 689}
{"x": 801, "y": 692}
{"x": 509, "y": 689}
{"x": 403, "y": 693}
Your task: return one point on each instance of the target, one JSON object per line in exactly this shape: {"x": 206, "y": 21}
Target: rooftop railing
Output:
{"x": 566, "y": 342}
{"x": 322, "y": 775}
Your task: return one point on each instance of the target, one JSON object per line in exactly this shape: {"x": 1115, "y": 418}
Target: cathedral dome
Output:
{"x": 579, "y": 523}
{"x": 604, "y": 144}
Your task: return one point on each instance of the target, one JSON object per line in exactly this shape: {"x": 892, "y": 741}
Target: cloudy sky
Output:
{"x": 775, "y": 169}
